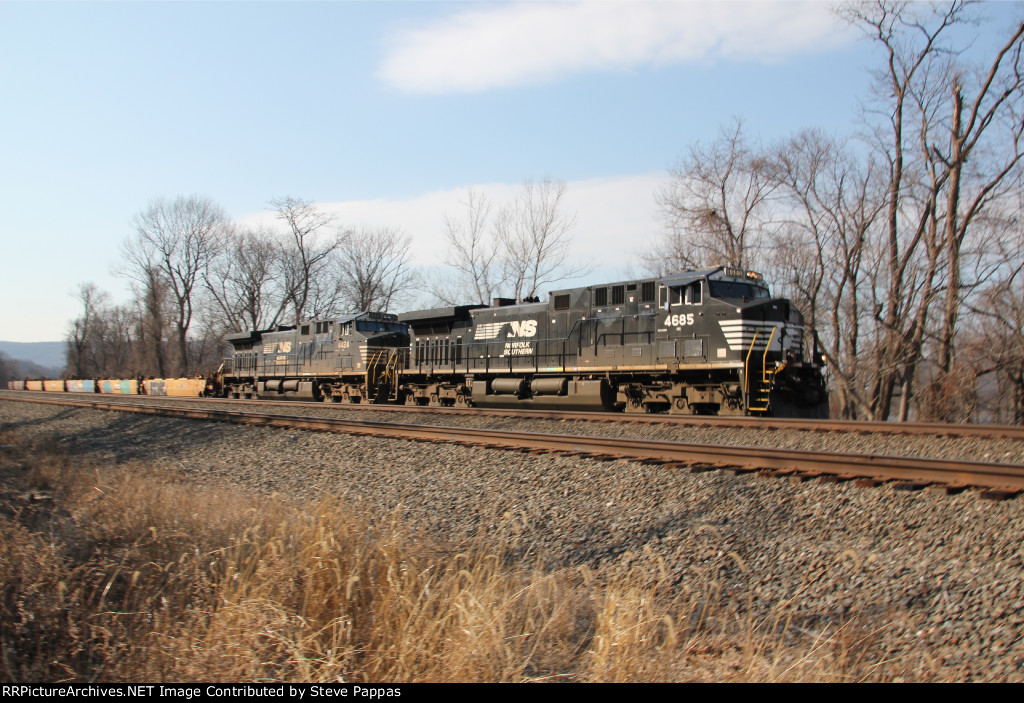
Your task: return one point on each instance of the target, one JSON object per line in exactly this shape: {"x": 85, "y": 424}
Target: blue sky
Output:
{"x": 382, "y": 112}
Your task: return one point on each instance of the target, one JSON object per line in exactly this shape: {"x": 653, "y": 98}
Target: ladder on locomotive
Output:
{"x": 758, "y": 377}
{"x": 382, "y": 376}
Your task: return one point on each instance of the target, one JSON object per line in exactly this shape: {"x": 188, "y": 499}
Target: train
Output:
{"x": 707, "y": 342}
{"x": 704, "y": 342}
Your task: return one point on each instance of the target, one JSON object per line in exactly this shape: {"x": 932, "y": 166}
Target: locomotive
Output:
{"x": 698, "y": 342}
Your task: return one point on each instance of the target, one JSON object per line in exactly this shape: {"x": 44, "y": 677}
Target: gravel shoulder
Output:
{"x": 919, "y": 570}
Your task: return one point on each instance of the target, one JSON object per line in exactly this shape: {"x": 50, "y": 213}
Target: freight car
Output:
{"x": 184, "y": 387}
{"x": 699, "y": 342}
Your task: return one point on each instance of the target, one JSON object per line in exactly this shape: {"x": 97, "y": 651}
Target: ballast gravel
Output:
{"x": 925, "y": 571}
{"x": 1006, "y": 451}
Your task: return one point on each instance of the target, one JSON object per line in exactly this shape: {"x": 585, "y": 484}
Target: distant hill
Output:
{"x": 46, "y": 354}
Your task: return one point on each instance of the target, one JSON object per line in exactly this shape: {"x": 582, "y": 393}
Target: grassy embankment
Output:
{"x": 123, "y": 574}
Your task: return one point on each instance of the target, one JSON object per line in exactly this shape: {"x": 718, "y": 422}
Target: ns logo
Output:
{"x": 516, "y": 328}
{"x": 524, "y": 328}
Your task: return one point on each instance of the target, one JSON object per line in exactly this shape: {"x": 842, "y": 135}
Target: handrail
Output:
{"x": 746, "y": 367}
{"x": 764, "y": 359}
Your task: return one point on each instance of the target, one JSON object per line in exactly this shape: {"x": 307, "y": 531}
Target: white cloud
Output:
{"x": 615, "y": 218}
{"x": 522, "y": 43}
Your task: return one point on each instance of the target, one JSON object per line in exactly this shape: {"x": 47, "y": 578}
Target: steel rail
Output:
{"x": 1013, "y": 432}
{"x": 1002, "y": 477}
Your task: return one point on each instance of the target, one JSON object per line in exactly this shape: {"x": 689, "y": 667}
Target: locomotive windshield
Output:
{"x": 377, "y": 327}
{"x": 733, "y": 289}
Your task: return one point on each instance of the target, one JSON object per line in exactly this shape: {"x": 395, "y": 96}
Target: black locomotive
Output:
{"x": 339, "y": 359}
{"x": 699, "y": 342}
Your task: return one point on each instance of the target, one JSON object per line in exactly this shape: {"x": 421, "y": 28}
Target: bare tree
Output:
{"x": 473, "y": 251}
{"x": 823, "y": 250}
{"x": 123, "y": 353}
{"x": 174, "y": 242}
{"x": 103, "y": 341}
{"x": 206, "y": 339}
{"x": 534, "y": 233}
{"x": 245, "y": 280}
{"x": 151, "y": 312}
{"x": 312, "y": 242}
{"x": 924, "y": 131}
{"x": 715, "y": 206}
{"x": 1001, "y": 313}
{"x": 86, "y": 333}
{"x": 975, "y": 182}
{"x": 374, "y": 269}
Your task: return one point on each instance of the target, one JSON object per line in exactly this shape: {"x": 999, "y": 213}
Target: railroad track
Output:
{"x": 937, "y": 429}
{"x": 993, "y": 480}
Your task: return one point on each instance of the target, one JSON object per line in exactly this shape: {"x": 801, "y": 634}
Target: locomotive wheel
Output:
{"x": 435, "y": 402}
{"x": 460, "y": 401}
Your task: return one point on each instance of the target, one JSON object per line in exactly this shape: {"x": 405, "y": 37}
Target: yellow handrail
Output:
{"x": 746, "y": 365}
{"x": 764, "y": 359}
{"x": 371, "y": 367}
{"x": 764, "y": 368}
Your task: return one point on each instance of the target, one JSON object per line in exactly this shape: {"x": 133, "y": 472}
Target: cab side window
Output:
{"x": 670, "y": 296}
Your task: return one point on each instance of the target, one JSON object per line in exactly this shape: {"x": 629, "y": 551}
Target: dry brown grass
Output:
{"x": 125, "y": 574}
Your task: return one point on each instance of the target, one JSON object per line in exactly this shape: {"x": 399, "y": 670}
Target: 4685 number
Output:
{"x": 679, "y": 320}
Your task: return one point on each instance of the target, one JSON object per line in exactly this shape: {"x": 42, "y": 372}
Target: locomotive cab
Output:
{"x": 370, "y": 351}
{"x": 754, "y": 339}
